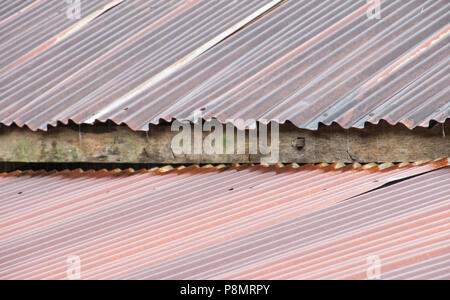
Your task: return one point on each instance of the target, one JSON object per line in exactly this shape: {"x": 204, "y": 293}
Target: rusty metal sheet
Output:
{"x": 224, "y": 222}
{"x": 108, "y": 55}
{"x": 28, "y": 28}
{"x": 312, "y": 62}
{"x": 307, "y": 62}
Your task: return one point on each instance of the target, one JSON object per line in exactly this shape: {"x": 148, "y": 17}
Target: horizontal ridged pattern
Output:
{"x": 222, "y": 222}
{"x": 307, "y": 62}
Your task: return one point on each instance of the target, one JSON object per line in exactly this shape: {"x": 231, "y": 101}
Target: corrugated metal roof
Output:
{"x": 28, "y": 28}
{"x": 314, "y": 61}
{"x": 403, "y": 225}
{"x": 306, "y": 62}
{"x": 224, "y": 222}
{"x": 113, "y": 54}
{"x": 9, "y": 10}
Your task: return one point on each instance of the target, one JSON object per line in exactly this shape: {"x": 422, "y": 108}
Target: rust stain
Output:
{"x": 293, "y": 53}
{"x": 277, "y": 222}
{"x": 268, "y": 71}
{"x": 63, "y": 35}
{"x": 408, "y": 57}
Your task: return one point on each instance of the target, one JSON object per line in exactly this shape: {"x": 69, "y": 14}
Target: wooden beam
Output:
{"x": 119, "y": 144}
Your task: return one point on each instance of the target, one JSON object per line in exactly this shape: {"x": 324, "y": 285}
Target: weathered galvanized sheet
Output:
{"x": 225, "y": 222}
{"x": 307, "y": 62}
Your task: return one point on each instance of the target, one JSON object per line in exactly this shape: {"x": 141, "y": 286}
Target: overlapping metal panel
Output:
{"x": 111, "y": 54}
{"x": 312, "y": 62}
{"x": 226, "y": 222}
{"x": 308, "y": 62}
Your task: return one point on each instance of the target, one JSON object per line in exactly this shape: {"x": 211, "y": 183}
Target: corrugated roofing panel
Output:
{"x": 11, "y": 9}
{"x": 113, "y": 55}
{"x": 307, "y": 62}
{"x": 223, "y": 222}
{"x": 313, "y": 61}
{"x": 28, "y": 28}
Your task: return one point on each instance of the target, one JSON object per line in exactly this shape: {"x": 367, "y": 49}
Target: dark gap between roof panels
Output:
{"x": 393, "y": 182}
{"x": 21, "y": 166}
{"x": 109, "y": 9}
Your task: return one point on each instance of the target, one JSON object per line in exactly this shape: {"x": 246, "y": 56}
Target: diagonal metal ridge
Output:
{"x": 61, "y": 36}
{"x": 184, "y": 61}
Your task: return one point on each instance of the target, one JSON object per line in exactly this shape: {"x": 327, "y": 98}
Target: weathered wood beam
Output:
{"x": 119, "y": 144}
